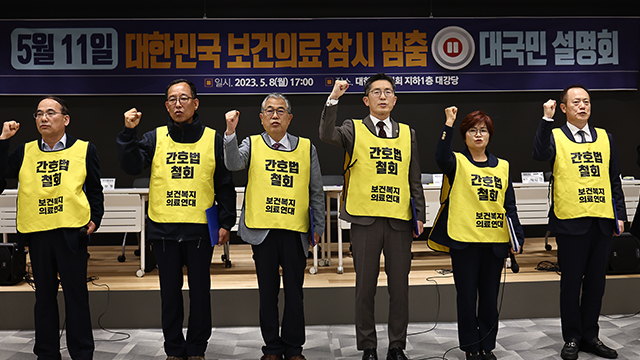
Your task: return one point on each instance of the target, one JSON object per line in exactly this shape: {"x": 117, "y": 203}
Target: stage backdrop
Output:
{"x": 257, "y": 56}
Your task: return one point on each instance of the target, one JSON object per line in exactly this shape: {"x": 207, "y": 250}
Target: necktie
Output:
{"x": 582, "y": 133}
{"x": 381, "y": 132}
{"x": 276, "y": 145}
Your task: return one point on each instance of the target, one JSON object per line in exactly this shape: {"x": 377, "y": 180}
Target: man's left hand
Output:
{"x": 620, "y": 228}
{"x": 91, "y": 227}
{"x": 223, "y": 236}
{"x": 420, "y": 229}
{"x": 315, "y": 239}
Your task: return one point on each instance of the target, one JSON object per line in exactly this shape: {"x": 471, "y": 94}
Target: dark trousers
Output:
{"x": 367, "y": 243}
{"x": 583, "y": 262}
{"x": 172, "y": 256}
{"x": 50, "y": 255}
{"x": 281, "y": 248}
{"x": 476, "y": 272}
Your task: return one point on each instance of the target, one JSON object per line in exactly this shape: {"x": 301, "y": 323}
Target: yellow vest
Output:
{"x": 581, "y": 183}
{"x": 50, "y": 194}
{"x": 181, "y": 185}
{"x": 379, "y": 168}
{"x": 476, "y": 211}
{"x": 277, "y": 193}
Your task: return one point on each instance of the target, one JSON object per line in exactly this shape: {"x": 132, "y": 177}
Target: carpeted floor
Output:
{"x": 529, "y": 339}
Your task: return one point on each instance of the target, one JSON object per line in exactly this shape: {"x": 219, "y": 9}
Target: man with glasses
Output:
{"x": 188, "y": 176}
{"x": 587, "y": 201}
{"x": 284, "y": 183}
{"x": 60, "y": 202}
{"x": 382, "y": 178}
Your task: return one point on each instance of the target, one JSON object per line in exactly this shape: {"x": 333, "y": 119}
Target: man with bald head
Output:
{"x": 60, "y": 202}
{"x": 587, "y": 199}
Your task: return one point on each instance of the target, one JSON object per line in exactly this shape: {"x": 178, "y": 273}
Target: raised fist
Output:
{"x": 9, "y": 129}
{"x": 232, "y": 117}
{"x": 132, "y": 118}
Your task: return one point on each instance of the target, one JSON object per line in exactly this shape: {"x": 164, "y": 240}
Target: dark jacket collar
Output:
{"x": 186, "y": 133}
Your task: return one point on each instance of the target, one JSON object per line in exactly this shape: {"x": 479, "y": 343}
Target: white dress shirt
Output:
{"x": 386, "y": 122}
{"x": 574, "y": 131}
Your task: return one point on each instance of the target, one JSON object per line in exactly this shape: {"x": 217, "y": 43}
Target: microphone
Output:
{"x": 515, "y": 268}
{"x": 83, "y": 231}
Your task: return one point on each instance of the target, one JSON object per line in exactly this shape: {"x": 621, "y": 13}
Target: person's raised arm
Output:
{"x": 445, "y": 159}
{"x": 232, "y": 118}
{"x": 339, "y": 88}
{"x": 9, "y": 164}
{"x": 451, "y": 113}
{"x": 134, "y": 156}
{"x": 329, "y": 132}
{"x": 235, "y": 157}
{"x": 9, "y": 128}
{"x": 542, "y": 148}
{"x": 132, "y": 118}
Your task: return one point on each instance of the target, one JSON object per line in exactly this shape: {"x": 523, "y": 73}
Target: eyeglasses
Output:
{"x": 182, "y": 99}
{"x": 48, "y": 113}
{"x": 269, "y": 112}
{"x": 377, "y": 93}
{"x": 474, "y": 131}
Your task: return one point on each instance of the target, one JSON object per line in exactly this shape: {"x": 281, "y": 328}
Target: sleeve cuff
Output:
{"x": 228, "y": 138}
{"x": 332, "y": 102}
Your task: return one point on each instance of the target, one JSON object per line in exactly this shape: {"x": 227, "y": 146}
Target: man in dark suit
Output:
{"x": 382, "y": 162}
{"x": 587, "y": 198}
{"x": 284, "y": 181}
{"x": 60, "y": 202}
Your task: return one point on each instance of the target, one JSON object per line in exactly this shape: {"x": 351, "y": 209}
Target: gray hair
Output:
{"x": 276, "y": 95}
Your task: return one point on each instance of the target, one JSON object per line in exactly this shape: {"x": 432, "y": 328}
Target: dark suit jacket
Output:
{"x": 544, "y": 149}
{"x": 343, "y": 136}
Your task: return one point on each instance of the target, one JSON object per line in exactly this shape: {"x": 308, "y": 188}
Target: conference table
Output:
{"x": 532, "y": 201}
{"x": 125, "y": 211}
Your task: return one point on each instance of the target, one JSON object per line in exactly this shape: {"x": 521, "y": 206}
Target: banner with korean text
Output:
{"x": 257, "y": 56}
